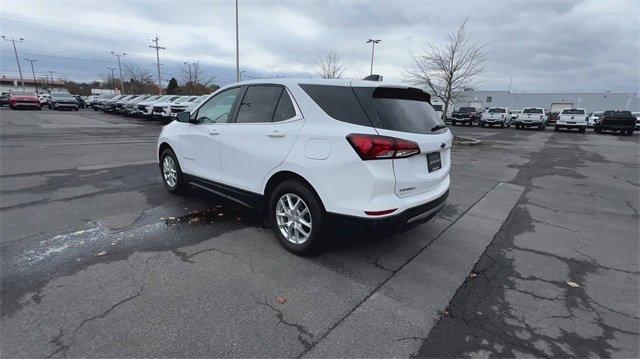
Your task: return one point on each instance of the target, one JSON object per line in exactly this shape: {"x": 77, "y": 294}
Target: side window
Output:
{"x": 285, "y": 109}
{"x": 218, "y": 108}
{"x": 258, "y": 104}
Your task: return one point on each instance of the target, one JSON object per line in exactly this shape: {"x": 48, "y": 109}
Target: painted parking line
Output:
{"x": 392, "y": 321}
{"x": 115, "y": 165}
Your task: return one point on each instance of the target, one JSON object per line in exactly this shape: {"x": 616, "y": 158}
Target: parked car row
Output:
{"x": 164, "y": 107}
{"x": 624, "y": 122}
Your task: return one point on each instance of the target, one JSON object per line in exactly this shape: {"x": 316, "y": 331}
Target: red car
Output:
{"x": 553, "y": 118}
{"x": 28, "y": 99}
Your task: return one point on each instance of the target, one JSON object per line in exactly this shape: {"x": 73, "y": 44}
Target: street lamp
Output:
{"x": 373, "y": 46}
{"x": 35, "y": 83}
{"x": 15, "y": 51}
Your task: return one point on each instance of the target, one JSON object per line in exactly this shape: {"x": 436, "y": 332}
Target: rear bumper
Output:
{"x": 400, "y": 222}
{"x": 569, "y": 124}
{"x": 629, "y": 127}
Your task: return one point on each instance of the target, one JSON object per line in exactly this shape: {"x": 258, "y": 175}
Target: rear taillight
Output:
{"x": 374, "y": 147}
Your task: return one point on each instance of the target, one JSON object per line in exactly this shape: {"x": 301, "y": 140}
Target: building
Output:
{"x": 517, "y": 101}
{"x": 13, "y": 83}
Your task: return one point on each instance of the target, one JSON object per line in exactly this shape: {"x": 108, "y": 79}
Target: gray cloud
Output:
{"x": 543, "y": 46}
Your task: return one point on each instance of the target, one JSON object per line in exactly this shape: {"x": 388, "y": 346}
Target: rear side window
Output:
{"x": 399, "y": 109}
{"x": 259, "y": 104}
{"x": 284, "y": 110}
{"x": 339, "y": 102}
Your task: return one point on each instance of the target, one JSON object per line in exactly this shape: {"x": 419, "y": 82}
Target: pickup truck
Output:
{"x": 622, "y": 121}
{"x": 465, "y": 115}
{"x": 572, "y": 118}
{"x": 531, "y": 117}
{"x": 496, "y": 116}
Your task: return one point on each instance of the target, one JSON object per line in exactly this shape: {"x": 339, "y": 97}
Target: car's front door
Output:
{"x": 265, "y": 128}
{"x": 200, "y": 141}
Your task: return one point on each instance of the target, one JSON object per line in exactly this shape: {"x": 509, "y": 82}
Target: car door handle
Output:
{"x": 214, "y": 132}
{"x": 276, "y": 133}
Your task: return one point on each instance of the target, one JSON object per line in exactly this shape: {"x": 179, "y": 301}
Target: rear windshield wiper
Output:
{"x": 439, "y": 127}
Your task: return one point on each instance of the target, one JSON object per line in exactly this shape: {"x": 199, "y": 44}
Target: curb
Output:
{"x": 465, "y": 141}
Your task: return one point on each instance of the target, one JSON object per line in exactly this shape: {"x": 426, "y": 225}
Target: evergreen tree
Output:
{"x": 172, "y": 87}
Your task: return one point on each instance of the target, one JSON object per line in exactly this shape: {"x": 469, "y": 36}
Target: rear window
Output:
{"x": 532, "y": 110}
{"x": 497, "y": 110}
{"x": 573, "y": 111}
{"x": 399, "y": 109}
{"x": 466, "y": 109}
{"x": 618, "y": 114}
{"x": 339, "y": 102}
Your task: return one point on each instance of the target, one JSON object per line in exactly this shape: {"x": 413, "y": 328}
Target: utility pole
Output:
{"x": 237, "y": 47}
{"x": 15, "y": 51}
{"x": 117, "y": 54}
{"x": 158, "y": 48}
{"x": 35, "y": 83}
{"x": 373, "y": 47}
{"x": 51, "y": 74}
{"x": 113, "y": 79}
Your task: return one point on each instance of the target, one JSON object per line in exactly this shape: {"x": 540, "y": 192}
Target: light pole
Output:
{"x": 51, "y": 74}
{"x": 15, "y": 51}
{"x": 237, "y": 47}
{"x": 113, "y": 79}
{"x": 117, "y": 54}
{"x": 35, "y": 83}
{"x": 373, "y": 47}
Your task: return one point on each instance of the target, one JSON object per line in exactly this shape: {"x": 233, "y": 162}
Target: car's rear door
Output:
{"x": 264, "y": 129}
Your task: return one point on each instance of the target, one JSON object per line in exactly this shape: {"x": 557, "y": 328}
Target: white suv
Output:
{"x": 309, "y": 152}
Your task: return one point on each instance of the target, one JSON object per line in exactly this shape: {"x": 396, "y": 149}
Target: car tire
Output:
{"x": 171, "y": 173}
{"x": 76, "y": 109}
{"x": 582, "y": 130}
{"x": 556, "y": 128}
{"x": 284, "y": 200}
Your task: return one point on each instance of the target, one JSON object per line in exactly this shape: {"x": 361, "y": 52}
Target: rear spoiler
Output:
{"x": 373, "y": 78}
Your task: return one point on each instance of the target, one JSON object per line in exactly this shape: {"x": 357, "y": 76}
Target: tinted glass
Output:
{"x": 573, "y": 111}
{"x": 285, "y": 109}
{"x": 259, "y": 104}
{"x": 218, "y": 108}
{"x": 339, "y": 102}
{"x": 497, "y": 110}
{"x": 399, "y": 109}
{"x": 22, "y": 93}
{"x": 61, "y": 94}
{"x": 532, "y": 110}
{"x": 437, "y": 107}
{"x": 466, "y": 109}
{"x": 618, "y": 114}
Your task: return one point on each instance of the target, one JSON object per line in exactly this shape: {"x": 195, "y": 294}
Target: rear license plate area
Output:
{"x": 433, "y": 161}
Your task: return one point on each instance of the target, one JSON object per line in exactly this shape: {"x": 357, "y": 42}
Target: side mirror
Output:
{"x": 184, "y": 116}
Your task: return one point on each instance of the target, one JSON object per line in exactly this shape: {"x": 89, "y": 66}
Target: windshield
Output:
{"x": 22, "y": 93}
{"x": 497, "y": 110}
{"x": 532, "y": 110}
{"x": 61, "y": 94}
{"x": 466, "y": 109}
{"x": 573, "y": 111}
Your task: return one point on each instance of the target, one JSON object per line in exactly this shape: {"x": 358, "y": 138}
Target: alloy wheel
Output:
{"x": 169, "y": 171}
{"x": 293, "y": 218}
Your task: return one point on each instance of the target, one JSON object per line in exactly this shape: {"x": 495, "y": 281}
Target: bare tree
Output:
{"x": 329, "y": 65}
{"x": 140, "y": 80}
{"x": 192, "y": 78}
{"x": 447, "y": 70}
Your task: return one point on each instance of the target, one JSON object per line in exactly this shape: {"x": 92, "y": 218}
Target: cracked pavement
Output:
{"x": 99, "y": 261}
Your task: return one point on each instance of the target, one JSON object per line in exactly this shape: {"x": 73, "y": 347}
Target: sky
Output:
{"x": 536, "y": 46}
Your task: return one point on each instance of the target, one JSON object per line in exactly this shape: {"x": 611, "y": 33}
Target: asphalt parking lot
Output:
{"x": 536, "y": 254}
